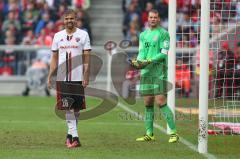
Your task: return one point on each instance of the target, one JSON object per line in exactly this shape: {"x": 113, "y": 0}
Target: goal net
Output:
{"x": 224, "y": 63}
{"x": 224, "y": 102}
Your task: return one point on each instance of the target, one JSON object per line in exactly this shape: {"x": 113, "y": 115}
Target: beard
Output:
{"x": 70, "y": 25}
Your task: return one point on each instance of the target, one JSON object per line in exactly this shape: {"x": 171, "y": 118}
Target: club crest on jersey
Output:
{"x": 61, "y": 40}
{"x": 77, "y": 39}
{"x": 155, "y": 38}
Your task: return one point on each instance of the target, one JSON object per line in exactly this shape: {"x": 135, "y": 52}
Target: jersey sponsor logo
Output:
{"x": 166, "y": 44}
{"x": 147, "y": 44}
{"x": 69, "y": 47}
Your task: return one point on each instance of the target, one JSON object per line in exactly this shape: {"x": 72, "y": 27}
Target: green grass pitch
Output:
{"x": 29, "y": 129}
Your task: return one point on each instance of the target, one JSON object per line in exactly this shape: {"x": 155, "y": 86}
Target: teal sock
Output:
{"x": 168, "y": 116}
{"x": 149, "y": 116}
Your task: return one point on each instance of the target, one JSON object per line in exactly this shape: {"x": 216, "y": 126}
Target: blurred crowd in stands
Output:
{"x": 188, "y": 18}
{"x": 224, "y": 72}
{"x": 34, "y": 22}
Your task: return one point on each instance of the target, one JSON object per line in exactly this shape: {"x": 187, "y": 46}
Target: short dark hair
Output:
{"x": 69, "y": 11}
{"x": 154, "y": 11}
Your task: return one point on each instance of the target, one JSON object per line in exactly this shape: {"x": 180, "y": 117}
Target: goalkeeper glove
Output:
{"x": 137, "y": 64}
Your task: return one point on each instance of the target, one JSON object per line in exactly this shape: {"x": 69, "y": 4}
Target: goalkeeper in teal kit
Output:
{"x": 152, "y": 60}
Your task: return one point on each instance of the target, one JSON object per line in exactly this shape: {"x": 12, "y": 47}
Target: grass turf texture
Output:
{"x": 30, "y": 129}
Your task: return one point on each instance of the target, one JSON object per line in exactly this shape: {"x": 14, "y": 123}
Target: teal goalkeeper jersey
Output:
{"x": 154, "y": 45}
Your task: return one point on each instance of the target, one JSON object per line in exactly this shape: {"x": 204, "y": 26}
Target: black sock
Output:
{"x": 69, "y": 136}
{"x": 75, "y": 139}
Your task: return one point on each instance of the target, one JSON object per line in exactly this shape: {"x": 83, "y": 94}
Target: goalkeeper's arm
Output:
{"x": 139, "y": 62}
{"x": 161, "y": 56}
{"x": 141, "y": 51}
{"x": 164, "y": 47}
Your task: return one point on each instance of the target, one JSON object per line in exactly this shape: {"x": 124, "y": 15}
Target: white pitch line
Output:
{"x": 182, "y": 140}
{"x": 61, "y": 122}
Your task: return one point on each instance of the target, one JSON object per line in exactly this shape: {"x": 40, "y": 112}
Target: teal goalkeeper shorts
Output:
{"x": 152, "y": 86}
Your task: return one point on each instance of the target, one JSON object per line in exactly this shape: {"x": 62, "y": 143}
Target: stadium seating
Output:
{"x": 33, "y": 23}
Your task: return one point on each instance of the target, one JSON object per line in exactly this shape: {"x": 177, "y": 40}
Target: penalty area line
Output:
{"x": 182, "y": 140}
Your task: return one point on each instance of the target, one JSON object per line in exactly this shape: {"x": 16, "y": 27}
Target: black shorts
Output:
{"x": 70, "y": 95}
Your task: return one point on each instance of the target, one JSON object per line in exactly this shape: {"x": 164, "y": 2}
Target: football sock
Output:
{"x": 75, "y": 139}
{"x": 69, "y": 136}
{"x": 149, "y": 116}
{"x": 71, "y": 123}
{"x": 168, "y": 116}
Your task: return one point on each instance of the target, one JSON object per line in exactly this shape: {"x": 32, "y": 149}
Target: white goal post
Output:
{"x": 203, "y": 82}
{"x": 204, "y": 56}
